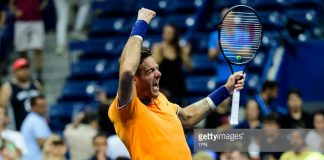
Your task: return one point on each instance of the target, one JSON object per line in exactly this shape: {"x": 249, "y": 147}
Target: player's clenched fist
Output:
{"x": 146, "y": 15}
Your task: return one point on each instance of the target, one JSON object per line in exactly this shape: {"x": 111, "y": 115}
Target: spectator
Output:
{"x": 12, "y": 136}
{"x": 299, "y": 150}
{"x": 219, "y": 118}
{"x": 171, "y": 58}
{"x": 266, "y": 98}
{"x": 99, "y": 144}
{"x": 105, "y": 125}
{"x": 296, "y": 117}
{"x": 8, "y": 150}
{"x": 315, "y": 138}
{"x": 54, "y": 148}
{"x": 29, "y": 29}
{"x": 79, "y": 135}
{"x": 3, "y": 17}
{"x": 35, "y": 128}
{"x": 252, "y": 120}
{"x": 233, "y": 155}
{"x": 16, "y": 93}
{"x": 203, "y": 155}
{"x": 62, "y": 13}
{"x": 273, "y": 138}
{"x": 221, "y": 67}
{"x": 116, "y": 149}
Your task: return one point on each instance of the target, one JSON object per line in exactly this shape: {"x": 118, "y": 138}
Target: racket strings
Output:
{"x": 240, "y": 35}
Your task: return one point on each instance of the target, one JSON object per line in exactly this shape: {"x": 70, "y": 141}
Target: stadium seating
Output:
{"x": 98, "y": 63}
{"x": 87, "y": 69}
{"x": 110, "y": 87}
{"x": 200, "y": 84}
{"x": 78, "y": 90}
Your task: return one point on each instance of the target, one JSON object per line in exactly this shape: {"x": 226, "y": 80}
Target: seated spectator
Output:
{"x": 202, "y": 155}
{"x": 116, "y": 149}
{"x": 299, "y": 150}
{"x": 219, "y": 117}
{"x": 233, "y": 155}
{"x": 10, "y": 135}
{"x": 273, "y": 137}
{"x": 315, "y": 138}
{"x": 35, "y": 128}
{"x": 171, "y": 58}
{"x": 79, "y": 135}
{"x": 99, "y": 144}
{"x": 296, "y": 117}
{"x": 54, "y": 148}
{"x": 8, "y": 150}
{"x": 252, "y": 115}
{"x": 267, "y": 97}
{"x": 105, "y": 125}
{"x": 221, "y": 67}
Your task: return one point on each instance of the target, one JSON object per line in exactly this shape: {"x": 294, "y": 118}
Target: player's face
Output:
{"x": 22, "y": 74}
{"x": 147, "y": 83}
{"x": 294, "y": 102}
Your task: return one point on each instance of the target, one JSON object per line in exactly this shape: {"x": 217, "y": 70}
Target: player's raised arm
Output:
{"x": 192, "y": 114}
{"x": 130, "y": 57}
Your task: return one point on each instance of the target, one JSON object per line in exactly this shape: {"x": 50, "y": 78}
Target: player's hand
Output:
{"x": 235, "y": 82}
{"x": 146, "y": 15}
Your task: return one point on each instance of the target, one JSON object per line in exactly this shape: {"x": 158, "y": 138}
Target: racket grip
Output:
{"x": 235, "y": 107}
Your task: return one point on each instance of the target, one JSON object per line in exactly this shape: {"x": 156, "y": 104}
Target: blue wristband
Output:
{"x": 218, "y": 96}
{"x": 139, "y": 28}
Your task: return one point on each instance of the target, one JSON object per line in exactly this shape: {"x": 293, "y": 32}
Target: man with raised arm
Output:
{"x": 149, "y": 125}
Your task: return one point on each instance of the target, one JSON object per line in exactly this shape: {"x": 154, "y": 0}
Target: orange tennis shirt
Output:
{"x": 151, "y": 131}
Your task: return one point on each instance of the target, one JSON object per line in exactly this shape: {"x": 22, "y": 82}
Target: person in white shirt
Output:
{"x": 10, "y": 135}
{"x": 315, "y": 138}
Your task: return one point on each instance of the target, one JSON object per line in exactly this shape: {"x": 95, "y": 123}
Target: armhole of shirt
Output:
{"x": 117, "y": 104}
{"x": 177, "y": 112}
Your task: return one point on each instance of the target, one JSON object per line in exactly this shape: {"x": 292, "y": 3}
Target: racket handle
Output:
{"x": 235, "y": 107}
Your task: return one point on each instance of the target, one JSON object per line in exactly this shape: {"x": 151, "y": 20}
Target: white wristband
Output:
{"x": 211, "y": 103}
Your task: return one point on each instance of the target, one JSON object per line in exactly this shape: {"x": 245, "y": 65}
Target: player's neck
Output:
{"x": 146, "y": 101}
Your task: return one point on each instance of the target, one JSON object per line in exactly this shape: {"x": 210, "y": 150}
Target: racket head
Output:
{"x": 240, "y": 34}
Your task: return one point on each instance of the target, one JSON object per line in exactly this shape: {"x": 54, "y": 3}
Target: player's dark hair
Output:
{"x": 269, "y": 85}
{"x": 35, "y": 98}
{"x": 294, "y": 91}
{"x": 271, "y": 118}
{"x": 175, "y": 40}
{"x": 145, "y": 52}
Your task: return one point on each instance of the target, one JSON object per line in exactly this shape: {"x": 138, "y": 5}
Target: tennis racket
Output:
{"x": 239, "y": 36}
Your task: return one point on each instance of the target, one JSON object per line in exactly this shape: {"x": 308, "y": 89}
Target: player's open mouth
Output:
{"x": 156, "y": 86}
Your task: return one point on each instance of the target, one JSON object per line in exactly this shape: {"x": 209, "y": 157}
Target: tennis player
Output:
{"x": 149, "y": 125}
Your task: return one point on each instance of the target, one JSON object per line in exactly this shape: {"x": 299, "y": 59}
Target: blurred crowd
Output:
{"x": 24, "y": 130}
